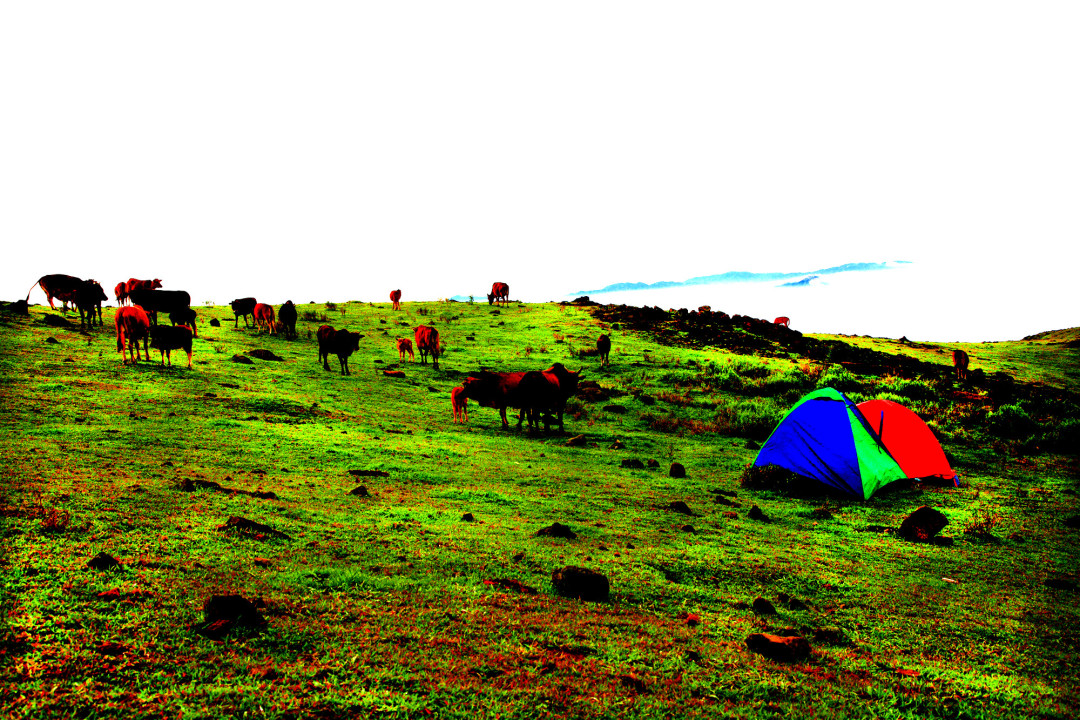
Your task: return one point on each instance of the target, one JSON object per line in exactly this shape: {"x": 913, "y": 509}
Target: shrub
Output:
{"x": 839, "y": 378}
{"x": 981, "y": 523}
{"x": 1010, "y": 421}
{"x": 788, "y": 379}
{"x": 747, "y": 418}
{"x": 1063, "y": 438}
{"x": 914, "y": 389}
{"x": 312, "y": 316}
{"x": 54, "y": 520}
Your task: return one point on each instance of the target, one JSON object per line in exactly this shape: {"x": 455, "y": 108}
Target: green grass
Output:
{"x": 388, "y": 605}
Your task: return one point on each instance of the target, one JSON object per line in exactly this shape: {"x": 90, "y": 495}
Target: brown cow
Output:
{"x": 960, "y": 361}
{"x": 88, "y": 299}
{"x": 395, "y": 297}
{"x": 120, "y": 291}
{"x": 133, "y": 284}
{"x": 427, "y": 341}
{"x": 167, "y": 338}
{"x": 339, "y": 342}
{"x": 500, "y": 291}
{"x": 603, "y": 347}
{"x": 459, "y": 401}
{"x": 786, "y": 322}
{"x": 495, "y": 390}
{"x": 404, "y": 345}
{"x": 59, "y": 287}
{"x": 264, "y": 317}
{"x": 132, "y": 325}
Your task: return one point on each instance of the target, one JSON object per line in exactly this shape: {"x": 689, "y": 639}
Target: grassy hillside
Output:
{"x": 432, "y": 596}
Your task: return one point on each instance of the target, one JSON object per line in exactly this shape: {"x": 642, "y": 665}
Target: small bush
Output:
{"x": 786, "y": 380}
{"x": 1010, "y": 421}
{"x": 913, "y": 389}
{"x": 839, "y": 378}
{"x": 747, "y": 418}
{"x": 312, "y": 316}
{"x": 54, "y": 520}
{"x": 982, "y": 523}
{"x": 1063, "y": 438}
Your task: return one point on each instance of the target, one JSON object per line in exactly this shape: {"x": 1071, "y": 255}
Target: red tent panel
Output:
{"x": 908, "y": 439}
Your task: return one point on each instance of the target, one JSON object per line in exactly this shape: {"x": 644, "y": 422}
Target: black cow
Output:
{"x": 155, "y": 301}
{"x": 603, "y": 347}
{"x": 287, "y": 317}
{"x": 543, "y": 395}
{"x": 167, "y": 338}
{"x": 187, "y": 317}
{"x": 339, "y": 342}
{"x": 497, "y": 390}
{"x": 243, "y": 307}
{"x": 88, "y": 298}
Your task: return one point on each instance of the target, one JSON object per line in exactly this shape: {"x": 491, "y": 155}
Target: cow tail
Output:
{"x": 32, "y": 289}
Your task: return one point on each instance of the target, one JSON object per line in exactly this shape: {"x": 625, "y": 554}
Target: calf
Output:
{"x": 287, "y": 316}
{"x": 132, "y": 325}
{"x": 120, "y": 291}
{"x": 459, "y": 401}
{"x": 427, "y": 341}
{"x": 186, "y": 317}
{"x": 264, "y": 317}
{"x": 168, "y": 338}
{"x": 395, "y": 298}
{"x": 242, "y": 307}
{"x": 339, "y": 342}
{"x": 960, "y": 361}
{"x": 603, "y": 347}
{"x": 404, "y": 345}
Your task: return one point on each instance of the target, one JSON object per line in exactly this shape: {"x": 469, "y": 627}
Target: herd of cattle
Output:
{"x": 539, "y": 395}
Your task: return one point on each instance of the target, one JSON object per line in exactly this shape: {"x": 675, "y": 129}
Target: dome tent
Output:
{"x": 825, "y": 437}
{"x": 908, "y": 439}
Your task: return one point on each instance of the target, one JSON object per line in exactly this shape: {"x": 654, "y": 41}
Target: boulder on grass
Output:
{"x": 581, "y": 583}
{"x": 775, "y": 647}
{"x": 923, "y": 524}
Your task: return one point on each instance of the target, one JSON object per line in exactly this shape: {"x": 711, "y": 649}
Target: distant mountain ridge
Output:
{"x": 740, "y": 276}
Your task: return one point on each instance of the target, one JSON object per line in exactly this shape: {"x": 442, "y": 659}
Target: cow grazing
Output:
{"x": 459, "y": 401}
{"x": 960, "y": 361}
{"x": 186, "y": 317}
{"x": 500, "y": 291}
{"x": 543, "y": 395}
{"x": 132, "y": 325}
{"x": 242, "y": 307}
{"x": 404, "y": 345}
{"x": 786, "y": 322}
{"x": 603, "y": 348}
{"x": 166, "y": 338}
{"x": 287, "y": 316}
{"x": 395, "y": 297}
{"x": 58, "y": 287}
{"x": 155, "y": 301}
{"x": 88, "y": 298}
{"x": 264, "y": 317}
{"x": 339, "y": 342}
{"x": 427, "y": 341}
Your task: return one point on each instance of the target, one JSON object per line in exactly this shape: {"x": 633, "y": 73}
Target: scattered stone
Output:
{"x": 923, "y": 524}
{"x": 688, "y": 529}
{"x": 557, "y": 530}
{"x": 19, "y": 307}
{"x": 360, "y": 491}
{"x": 634, "y": 683}
{"x": 821, "y": 514}
{"x": 264, "y": 355}
{"x": 214, "y": 322}
{"x": 222, "y": 613}
{"x": 111, "y": 649}
{"x": 576, "y": 441}
{"x": 761, "y": 606}
{"x": 581, "y": 583}
{"x": 103, "y": 561}
{"x": 617, "y": 445}
{"x": 721, "y": 500}
{"x": 394, "y": 373}
{"x": 646, "y": 399}
{"x": 262, "y": 562}
{"x": 775, "y": 647}
{"x": 751, "y": 445}
{"x": 680, "y": 507}
{"x": 242, "y": 360}
{"x": 756, "y": 514}
{"x": 793, "y": 603}
{"x": 1073, "y": 522}
{"x": 56, "y": 321}
{"x": 831, "y": 636}
{"x": 369, "y": 473}
{"x": 633, "y": 464}
{"x": 1060, "y": 584}
{"x": 615, "y": 409}
{"x": 677, "y": 471}
{"x": 52, "y": 341}
{"x": 251, "y": 528}
{"x": 652, "y": 463}
{"x": 467, "y": 517}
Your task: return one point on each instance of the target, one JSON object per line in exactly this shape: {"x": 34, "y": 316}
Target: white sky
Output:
{"x": 338, "y": 150}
